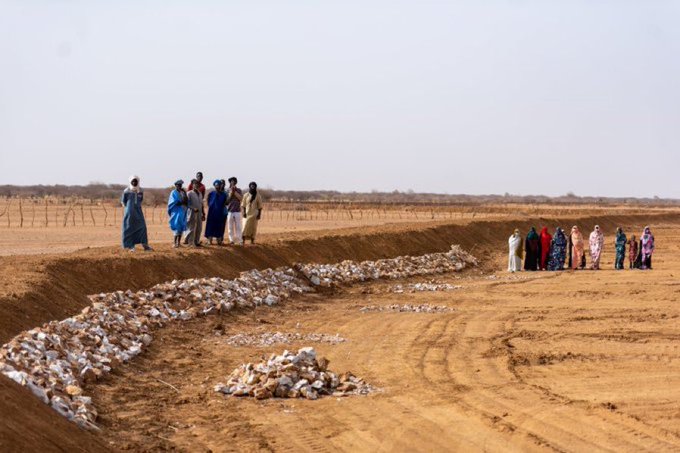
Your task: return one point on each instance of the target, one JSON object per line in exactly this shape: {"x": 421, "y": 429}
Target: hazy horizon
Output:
{"x": 523, "y": 97}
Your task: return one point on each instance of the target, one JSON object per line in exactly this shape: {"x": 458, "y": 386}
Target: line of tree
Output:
{"x": 111, "y": 192}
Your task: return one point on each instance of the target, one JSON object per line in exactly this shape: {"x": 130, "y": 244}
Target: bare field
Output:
{"x": 573, "y": 361}
{"x": 30, "y": 226}
{"x": 585, "y": 361}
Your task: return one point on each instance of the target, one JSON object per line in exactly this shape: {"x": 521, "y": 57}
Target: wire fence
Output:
{"x": 51, "y": 212}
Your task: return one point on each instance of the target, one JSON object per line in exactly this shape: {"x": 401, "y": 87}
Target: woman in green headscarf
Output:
{"x": 533, "y": 250}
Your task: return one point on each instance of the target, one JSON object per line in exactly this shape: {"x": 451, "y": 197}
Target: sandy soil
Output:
{"x": 585, "y": 361}
{"x": 57, "y": 239}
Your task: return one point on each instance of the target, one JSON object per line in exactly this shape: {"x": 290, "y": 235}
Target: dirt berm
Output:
{"x": 35, "y": 290}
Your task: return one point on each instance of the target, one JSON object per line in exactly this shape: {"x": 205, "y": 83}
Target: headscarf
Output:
{"x": 217, "y": 184}
{"x": 532, "y": 234}
{"x": 560, "y": 238}
{"x": 133, "y": 188}
{"x": 647, "y": 239}
{"x": 620, "y": 239}
{"x": 253, "y": 191}
{"x": 179, "y": 182}
{"x": 597, "y": 231}
{"x": 520, "y": 248}
{"x": 546, "y": 238}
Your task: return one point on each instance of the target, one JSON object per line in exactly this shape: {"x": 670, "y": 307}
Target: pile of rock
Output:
{"x": 271, "y": 338}
{"x": 348, "y": 272}
{"x": 421, "y": 287}
{"x": 57, "y": 360}
{"x": 292, "y": 375}
{"x": 408, "y": 308}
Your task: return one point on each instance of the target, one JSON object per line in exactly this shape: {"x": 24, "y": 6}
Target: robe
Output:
{"x": 194, "y": 218}
{"x": 533, "y": 248}
{"x": 620, "y": 244}
{"x": 577, "y": 249}
{"x": 632, "y": 252}
{"x": 252, "y": 207}
{"x": 134, "y": 225}
{"x": 515, "y": 253}
{"x": 177, "y": 211}
{"x": 217, "y": 216}
{"x": 546, "y": 241}
{"x": 646, "y": 250}
{"x": 596, "y": 243}
{"x": 558, "y": 252}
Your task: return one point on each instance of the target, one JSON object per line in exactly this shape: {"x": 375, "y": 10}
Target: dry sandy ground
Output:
{"x": 52, "y": 240}
{"x": 585, "y": 361}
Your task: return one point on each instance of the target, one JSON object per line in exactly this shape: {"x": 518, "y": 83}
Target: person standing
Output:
{"x": 596, "y": 243}
{"x": 558, "y": 251}
{"x": 217, "y": 200}
{"x": 533, "y": 249}
{"x": 515, "y": 254}
{"x": 134, "y": 225}
{"x": 234, "y": 212}
{"x": 177, "y": 211}
{"x": 546, "y": 241}
{"x": 632, "y": 252}
{"x": 199, "y": 183}
{"x": 620, "y": 244}
{"x": 646, "y": 248}
{"x": 252, "y": 212}
{"x": 196, "y": 215}
{"x": 577, "y": 247}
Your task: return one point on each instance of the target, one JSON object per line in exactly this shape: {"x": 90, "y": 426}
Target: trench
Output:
{"x": 66, "y": 281}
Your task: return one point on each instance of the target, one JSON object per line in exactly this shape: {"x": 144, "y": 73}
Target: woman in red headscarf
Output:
{"x": 546, "y": 240}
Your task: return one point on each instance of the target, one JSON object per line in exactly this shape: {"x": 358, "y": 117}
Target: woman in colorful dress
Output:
{"x": 515, "y": 252}
{"x": 546, "y": 241}
{"x": 620, "y": 244}
{"x": 577, "y": 247}
{"x": 646, "y": 248}
{"x": 533, "y": 249}
{"x": 632, "y": 251}
{"x": 596, "y": 243}
{"x": 558, "y": 251}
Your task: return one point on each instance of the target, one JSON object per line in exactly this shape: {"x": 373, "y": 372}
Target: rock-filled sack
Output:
{"x": 57, "y": 360}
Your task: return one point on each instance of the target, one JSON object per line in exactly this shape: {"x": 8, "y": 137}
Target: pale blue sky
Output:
{"x": 483, "y": 96}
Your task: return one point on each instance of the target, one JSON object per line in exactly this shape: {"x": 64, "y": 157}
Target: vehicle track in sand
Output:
{"x": 585, "y": 361}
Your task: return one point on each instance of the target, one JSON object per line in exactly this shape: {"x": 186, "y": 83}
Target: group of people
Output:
{"x": 224, "y": 210}
{"x": 549, "y": 252}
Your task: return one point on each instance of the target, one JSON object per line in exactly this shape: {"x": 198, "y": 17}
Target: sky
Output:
{"x": 478, "y": 97}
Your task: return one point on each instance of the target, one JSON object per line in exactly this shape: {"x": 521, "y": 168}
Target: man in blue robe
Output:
{"x": 217, "y": 219}
{"x": 134, "y": 225}
{"x": 177, "y": 211}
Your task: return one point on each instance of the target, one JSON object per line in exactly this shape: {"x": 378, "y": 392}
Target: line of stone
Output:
{"x": 56, "y": 360}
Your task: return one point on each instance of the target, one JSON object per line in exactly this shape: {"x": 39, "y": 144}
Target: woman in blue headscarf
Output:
{"x": 558, "y": 251}
{"x": 134, "y": 225}
{"x": 217, "y": 214}
{"x": 177, "y": 211}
